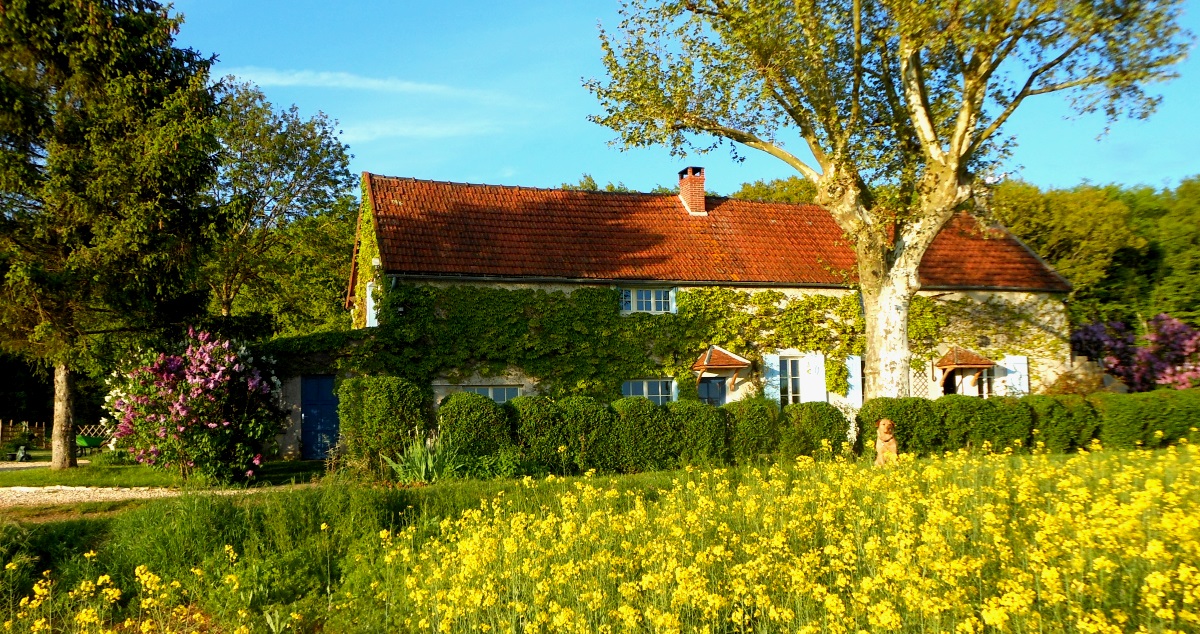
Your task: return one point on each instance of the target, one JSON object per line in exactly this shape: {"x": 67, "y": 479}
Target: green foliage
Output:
{"x": 283, "y": 182}
{"x": 968, "y": 421}
{"x": 379, "y": 415}
{"x": 754, "y": 427}
{"x": 541, "y": 431}
{"x": 504, "y": 463}
{"x": 1064, "y": 423}
{"x": 475, "y": 423}
{"x": 591, "y": 434}
{"x": 1146, "y": 419}
{"x": 793, "y": 189}
{"x": 919, "y": 429}
{"x": 704, "y": 432}
{"x": 1014, "y": 424}
{"x": 648, "y": 438}
{"x": 426, "y": 460}
{"x": 804, "y": 425}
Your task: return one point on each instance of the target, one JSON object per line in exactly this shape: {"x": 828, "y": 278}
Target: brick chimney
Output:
{"x": 691, "y": 190}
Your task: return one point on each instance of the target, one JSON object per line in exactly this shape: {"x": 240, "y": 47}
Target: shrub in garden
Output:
{"x": 649, "y": 441}
{"x": 1014, "y": 422}
{"x": 541, "y": 431}
{"x": 803, "y": 426}
{"x": 475, "y": 423}
{"x": 208, "y": 411}
{"x": 969, "y": 421}
{"x": 918, "y": 427}
{"x": 1146, "y": 419}
{"x": 753, "y": 426}
{"x": 379, "y": 416}
{"x": 591, "y": 433}
{"x": 703, "y": 431}
{"x": 1121, "y": 419}
{"x": 1056, "y": 426}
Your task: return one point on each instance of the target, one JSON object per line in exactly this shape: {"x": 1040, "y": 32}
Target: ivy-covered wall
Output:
{"x": 579, "y": 342}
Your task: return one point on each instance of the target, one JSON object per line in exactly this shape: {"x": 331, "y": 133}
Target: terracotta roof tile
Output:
{"x": 718, "y": 357}
{"x": 431, "y": 228}
{"x": 960, "y": 358}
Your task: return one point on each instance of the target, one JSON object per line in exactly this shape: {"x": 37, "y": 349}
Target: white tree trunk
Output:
{"x": 62, "y": 440}
{"x": 887, "y": 360}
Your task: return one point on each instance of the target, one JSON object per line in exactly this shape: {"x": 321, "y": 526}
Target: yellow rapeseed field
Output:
{"x": 1096, "y": 542}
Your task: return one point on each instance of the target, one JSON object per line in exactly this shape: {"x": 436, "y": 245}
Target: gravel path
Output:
{"x": 52, "y": 495}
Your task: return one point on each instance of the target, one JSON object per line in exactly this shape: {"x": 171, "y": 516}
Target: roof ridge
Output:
{"x": 522, "y": 187}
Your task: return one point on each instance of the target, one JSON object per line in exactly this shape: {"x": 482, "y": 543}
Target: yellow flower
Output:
{"x": 324, "y": 526}
{"x": 91, "y": 554}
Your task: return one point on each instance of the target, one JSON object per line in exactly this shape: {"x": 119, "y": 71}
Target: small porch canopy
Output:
{"x": 960, "y": 359}
{"x": 716, "y": 359}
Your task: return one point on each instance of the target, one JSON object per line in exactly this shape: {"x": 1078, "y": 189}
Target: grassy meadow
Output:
{"x": 1093, "y": 542}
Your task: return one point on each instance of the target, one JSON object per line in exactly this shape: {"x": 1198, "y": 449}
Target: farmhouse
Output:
{"x": 993, "y": 320}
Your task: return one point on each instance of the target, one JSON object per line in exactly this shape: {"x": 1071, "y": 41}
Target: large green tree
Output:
{"x": 105, "y": 141}
{"x": 896, "y": 105}
{"x": 277, "y": 168}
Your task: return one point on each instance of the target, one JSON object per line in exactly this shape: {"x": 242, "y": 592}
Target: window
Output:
{"x": 789, "y": 380}
{"x": 658, "y": 390}
{"x": 646, "y": 300}
{"x": 498, "y": 393}
{"x": 970, "y": 382}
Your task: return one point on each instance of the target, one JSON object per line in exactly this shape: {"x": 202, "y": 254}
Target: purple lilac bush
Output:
{"x": 1167, "y": 355}
{"x": 206, "y": 412}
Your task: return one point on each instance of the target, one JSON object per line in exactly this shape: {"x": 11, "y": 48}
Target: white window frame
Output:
{"x": 656, "y": 300}
{"x": 644, "y": 388}
{"x": 788, "y": 395}
{"x": 490, "y": 391}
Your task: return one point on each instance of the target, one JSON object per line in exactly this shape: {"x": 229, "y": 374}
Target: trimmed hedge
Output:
{"x": 919, "y": 429}
{"x": 1146, "y": 419}
{"x": 540, "y": 430}
{"x": 378, "y": 415}
{"x": 591, "y": 433}
{"x": 648, "y": 439}
{"x": 476, "y": 424}
{"x": 754, "y": 427}
{"x": 1014, "y": 426}
{"x": 968, "y": 421}
{"x": 1063, "y": 423}
{"x": 703, "y": 430}
{"x": 804, "y": 425}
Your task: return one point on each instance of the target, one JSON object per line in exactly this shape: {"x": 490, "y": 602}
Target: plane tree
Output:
{"x": 893, "y": 109}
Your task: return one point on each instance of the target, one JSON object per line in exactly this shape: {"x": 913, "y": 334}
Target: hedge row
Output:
{"x": 1061, "y": 423}
{"x": 575, "y": 434}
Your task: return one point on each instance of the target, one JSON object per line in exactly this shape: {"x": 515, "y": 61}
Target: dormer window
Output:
{"x": 647, "y": 300}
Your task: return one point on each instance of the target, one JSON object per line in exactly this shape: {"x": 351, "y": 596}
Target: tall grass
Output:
{"x": 1097, "y": 542}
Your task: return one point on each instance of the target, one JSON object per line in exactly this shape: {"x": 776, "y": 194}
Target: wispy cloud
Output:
{"x": 403, "y": 129}
{"x": 270, "y": 77}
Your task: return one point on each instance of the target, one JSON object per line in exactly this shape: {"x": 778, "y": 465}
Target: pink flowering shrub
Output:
{"x": 1167, "y": 355}
{"x": 206, "y": 412}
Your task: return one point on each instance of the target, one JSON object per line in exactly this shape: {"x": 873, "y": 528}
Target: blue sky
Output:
{"x": 490, "y": 92}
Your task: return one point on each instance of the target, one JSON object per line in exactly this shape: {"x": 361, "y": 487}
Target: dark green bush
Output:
{"x": 918, "y": 427}
{"x": 703, "y": 430}
{"x": 540, "y": 431}
{"x": 804, "y": 425}
{"x": 1122, "y": 418}
{"x": 754, "y": 429}
{"x": 591, "y": 434}
{"x": 1064, "y": 422}
{"x": 969, "y": 421}
{"x": 378, "y": 415}
{"x": 1014, "y": 423}
{"x": 476, "y": 424}
{"x": 648, "y": 439}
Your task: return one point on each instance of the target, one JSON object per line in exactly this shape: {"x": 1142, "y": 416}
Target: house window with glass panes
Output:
{"x": 498, "y": 393}
{"x": 789, "y": 380}
{"x": 658, "y": 390}
{"x": 646, "y": 300}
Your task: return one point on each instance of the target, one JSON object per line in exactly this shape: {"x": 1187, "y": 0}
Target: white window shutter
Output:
{"x": 372, "y": 317}
{"x": 674, "y": 300}
{"x": 812, "y": 378}
{"x": 1016, "y": 370}
{"x": 855, "y": 394}
{"x": 770, "y": 373}
{"x": 674, "y": 390}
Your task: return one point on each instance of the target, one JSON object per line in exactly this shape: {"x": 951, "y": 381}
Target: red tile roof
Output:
{"x": 960, "y": 358}
{"x": 717, "y": 357}
{"x": 432, "y": 228}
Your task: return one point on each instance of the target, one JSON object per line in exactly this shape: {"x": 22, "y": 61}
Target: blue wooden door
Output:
{"x": 712, "y": 390}
{"x": 318, "y": 407}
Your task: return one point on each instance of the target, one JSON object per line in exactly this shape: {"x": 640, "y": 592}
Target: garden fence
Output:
{"x": 11, "y": 430}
